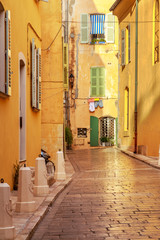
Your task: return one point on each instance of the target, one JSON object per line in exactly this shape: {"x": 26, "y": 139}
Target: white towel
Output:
{"x": 91, "y": 107}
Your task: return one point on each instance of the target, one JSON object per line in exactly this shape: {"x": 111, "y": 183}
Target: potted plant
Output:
{"x": 68, "y": 137}
{"x": 103, "y": 140}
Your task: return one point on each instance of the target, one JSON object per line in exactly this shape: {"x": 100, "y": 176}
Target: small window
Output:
{"x": 97, "y": 27}
{"x": 81, "y": 132}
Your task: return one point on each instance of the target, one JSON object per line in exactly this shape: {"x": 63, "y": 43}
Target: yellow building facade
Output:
{"x": 146, "y": 75}
{"x": 20, "y": 80}
{"x": 52, "y": 78}
{"x": 93, "y": 72}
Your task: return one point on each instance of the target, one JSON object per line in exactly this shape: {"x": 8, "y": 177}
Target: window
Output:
{"x": 126, "y": 109}
{"x": 36, "y": 77}
{"x": 97, "y": 28}
{"x": 156, "y": 37}
{"x": 81, "y": 132}
{"x": 98, "y": 82}
{"x": 5, "y": 52}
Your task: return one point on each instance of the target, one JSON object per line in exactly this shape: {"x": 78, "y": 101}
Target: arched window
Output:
{"x": 156, "y": 40}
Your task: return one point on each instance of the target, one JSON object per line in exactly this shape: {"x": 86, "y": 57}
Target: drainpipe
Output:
{"x": 77, "y": 42}
{"x": 136, "y": 76}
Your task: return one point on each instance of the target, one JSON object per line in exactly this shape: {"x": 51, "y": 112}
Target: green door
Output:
{"x": 93, "y": 131}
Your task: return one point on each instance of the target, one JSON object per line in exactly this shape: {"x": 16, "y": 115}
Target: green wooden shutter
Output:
{"x": 65, "y": 66}
{"x": 38, "y": 76}
{"x": 33, "y": 75}
{"x": 101, "y": 82}
{"x": 97, "y": 82}
{"x": 110, "y": 28}
{"x": 94, "y": 82}
{"x": 8, "y": 53}
{"x": 123, "y": 47}
{"x": 84, "y": 28}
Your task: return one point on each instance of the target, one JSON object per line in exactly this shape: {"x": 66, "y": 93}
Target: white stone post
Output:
{"x": 25, "y": 201}
{"x": 41, "y": 187}
{"x": 7, "y": 230}
{"x": 60, "y": 171}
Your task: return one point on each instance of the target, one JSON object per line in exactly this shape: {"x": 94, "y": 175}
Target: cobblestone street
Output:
{"x": 112, "y": 196}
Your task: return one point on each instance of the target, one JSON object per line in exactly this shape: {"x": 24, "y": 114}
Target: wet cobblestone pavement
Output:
{"x": 112, "y": 196}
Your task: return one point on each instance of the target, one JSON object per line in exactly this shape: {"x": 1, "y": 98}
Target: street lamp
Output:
{"x": 71, "y": 80}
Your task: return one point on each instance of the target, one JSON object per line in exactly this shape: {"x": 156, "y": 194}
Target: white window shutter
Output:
{"x": 123, "y": 47}
{"x": 84, "y": 28}
{"x": 33, "y": 75}
{"x": 8, "y": 53}
{"x": 110, "y": 28}
{"x": 38, "y": 76}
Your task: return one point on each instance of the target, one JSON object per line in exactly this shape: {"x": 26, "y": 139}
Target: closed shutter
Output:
{"x": 94, "y": 81}
{"x": 65, "y": 66}
{"x": 33, "y": 75}
{"x": 129, "y": 43}
{"x": 97, "y": 82}
{"x": 38, "y": 76}
{"x": 84, "y": 28}
{"x": 123, "y": 47}
{"x": 8, "y": 53}
{"x": 110, "y": 28}
{"x": 101, "y": 82}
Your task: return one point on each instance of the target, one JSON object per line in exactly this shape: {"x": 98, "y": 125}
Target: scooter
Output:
{"x": 49, "y": 164}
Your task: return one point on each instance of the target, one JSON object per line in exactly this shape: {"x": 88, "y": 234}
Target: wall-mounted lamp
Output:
{"x": 71, "y": 80}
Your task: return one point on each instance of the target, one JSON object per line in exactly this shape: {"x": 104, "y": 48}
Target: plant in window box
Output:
{"x": 102, "y": 40}
{"x": 94, "y": 40}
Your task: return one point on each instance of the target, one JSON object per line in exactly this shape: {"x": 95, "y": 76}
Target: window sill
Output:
{"x": 3, "y": 95}
{"x": 97, "y": 43}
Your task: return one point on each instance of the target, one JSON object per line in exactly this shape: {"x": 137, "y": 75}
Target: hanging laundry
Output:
{"x": 91, "y": 100}
{"x": 96, "y": 104}
{"x": 100, "y": 103}
{"x": 91, "y": 107}
{"x": 96, "y": 99}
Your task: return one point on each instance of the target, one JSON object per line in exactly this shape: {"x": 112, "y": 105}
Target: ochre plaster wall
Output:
{"x": 52, "y": 78}
{"x": 148, "y": 82}
{"x": 23, "y": 13}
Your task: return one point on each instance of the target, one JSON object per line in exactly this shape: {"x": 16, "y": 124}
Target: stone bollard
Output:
{"x": 7, "y": 230}
{"x": 25, "y": 201}
{"x": 60, "y": 171}
{"x": 41, "y": 187}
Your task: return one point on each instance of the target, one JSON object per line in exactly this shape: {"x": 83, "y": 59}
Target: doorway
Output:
{"x": 108, "y": 128}
{"x": 22, "y": 109}
{"x": 94, "y": 131}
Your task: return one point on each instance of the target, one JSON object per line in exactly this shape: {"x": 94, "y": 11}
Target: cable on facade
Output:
{"x": 48, "y": 48}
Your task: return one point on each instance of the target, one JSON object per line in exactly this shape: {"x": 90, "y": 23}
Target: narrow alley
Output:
{"x": 112, "y": 196}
